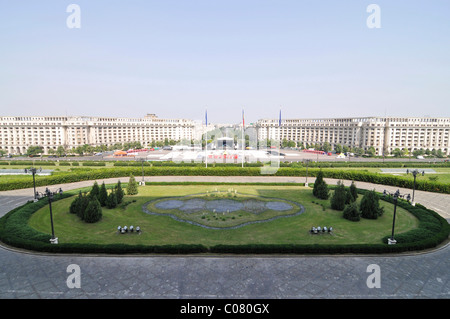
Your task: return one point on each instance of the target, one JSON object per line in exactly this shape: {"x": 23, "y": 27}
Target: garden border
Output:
{"x": 15, "y": 232}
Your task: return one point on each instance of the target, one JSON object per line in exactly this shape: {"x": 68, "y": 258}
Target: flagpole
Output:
{"x": 243, "y": 139}
{"x": 279, "y": 133}
{"x": 206, "y": 137}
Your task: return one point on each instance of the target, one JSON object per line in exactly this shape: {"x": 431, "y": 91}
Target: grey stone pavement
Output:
{"x": 26, "y": 275}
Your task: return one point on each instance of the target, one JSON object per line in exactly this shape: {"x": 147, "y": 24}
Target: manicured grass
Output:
{"x": 164, "y": 230}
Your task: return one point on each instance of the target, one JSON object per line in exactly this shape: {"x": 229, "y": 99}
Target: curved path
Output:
{"x": 29, "y": 275}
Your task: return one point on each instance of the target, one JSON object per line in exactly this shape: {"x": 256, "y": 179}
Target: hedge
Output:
{"x": 15, "y": 231}
{"x": 83, "y": 174}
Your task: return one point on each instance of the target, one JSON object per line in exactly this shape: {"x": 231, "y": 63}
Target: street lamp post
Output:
{"x": 33, "y": 171}
{"x": 395, "y": 196}
{"x": 50, "y": 195}
{"x": 142, "y": 160}
{"x": 414, "y": 173}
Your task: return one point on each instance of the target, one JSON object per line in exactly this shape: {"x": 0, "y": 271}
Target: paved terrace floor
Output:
{"x": 30, "y": 275}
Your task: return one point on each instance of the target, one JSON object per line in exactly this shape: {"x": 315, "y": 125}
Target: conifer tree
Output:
{"x": 320, "y": 189}
{"x": 353, "y": 191}
{"x": 82, "y": 204}
{"x": 103, "y": 195}
{"x": 132, "y": 188}
{"x": 111, "y": 201}
{"x": 119, "y": 193}
{"x": 95, "y": 191}
{"x": 370, "y": 206}
{"x": 339, "y": 197}
{"x": 93, "y": 212}
{"x": 351, "y": 212}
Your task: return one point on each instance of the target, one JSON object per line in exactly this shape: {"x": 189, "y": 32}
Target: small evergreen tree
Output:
{"x": 75, "y": 205}
{"x": 93, "y": 212}
{"x": 320, "y": 189}
{"x": 82, "y": 204}
{"x": 370, "y": 206}
{"x": 111, "y": 201}
{"x": 103, "y": 195}
{"x": 351, "y": 212}
{"x": 119, "y": 193}
{"x": 348, "y": 196}
{"x": 132, "y": 188}
{"x": 95, "y": 191}
{"x": 339, "y": 197}
{"x": 318, "y": 181}
{"x": 353, "y": 191}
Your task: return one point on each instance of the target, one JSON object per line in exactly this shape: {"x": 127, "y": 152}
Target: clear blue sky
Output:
{"x": 177, "y": 57}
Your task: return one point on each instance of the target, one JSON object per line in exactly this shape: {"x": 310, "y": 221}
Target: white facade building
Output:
{"x": 17, "y": 133}
{"x": 383, "y": 133}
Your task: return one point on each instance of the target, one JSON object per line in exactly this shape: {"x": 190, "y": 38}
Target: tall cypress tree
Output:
{"x": 119, "y": 193}
{"x": 102, "y": 195}
{"x": 353, "y": 191}
{"x": 111, "y": 201}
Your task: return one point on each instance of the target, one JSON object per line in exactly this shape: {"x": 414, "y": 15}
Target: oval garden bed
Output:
{"x": 226, "y": 210}
{"x": 278, "y": 228}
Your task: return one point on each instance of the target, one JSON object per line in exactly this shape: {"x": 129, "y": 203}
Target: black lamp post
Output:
{"x": 414, "y": 173}
{"x": 33, "y": 171}
{"x": 142, "y": 160}
{"x": 50, "y": 195}
{"x": 395, "y": 196}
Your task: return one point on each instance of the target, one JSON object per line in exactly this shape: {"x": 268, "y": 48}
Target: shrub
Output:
{"x": 103, "y": 195}
{"x": 351, "y": 212}
{"x": 353, "y": 192}
{"x": 75, "y": 205}
{"x": 119, "y": 193}
{"x": 320, "y": 189}
{"x": 93, "y": 212}
{"x": 111, "y": 201}
{"x": 78, "y": 205}
{"x": 339, "y": 197}
{"x": 370, "y": 206}
{"x": 95, "y": 191}
{"x": 132, "y": 186}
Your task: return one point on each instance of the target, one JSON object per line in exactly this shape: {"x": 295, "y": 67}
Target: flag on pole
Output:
{"x": 206, "y": 117}
{"x": 279, "y": 121}
{"x": 243, "y": 120}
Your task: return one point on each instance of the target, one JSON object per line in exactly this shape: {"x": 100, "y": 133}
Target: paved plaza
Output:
{"x": 26, "y": 275}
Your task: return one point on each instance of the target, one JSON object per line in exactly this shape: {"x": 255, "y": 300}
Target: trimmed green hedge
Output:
{"x": 15, "y": 231}
{"x": 83, "y": 174}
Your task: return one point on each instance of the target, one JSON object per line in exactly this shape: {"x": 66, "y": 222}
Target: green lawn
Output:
{"x": 162, "y": 230}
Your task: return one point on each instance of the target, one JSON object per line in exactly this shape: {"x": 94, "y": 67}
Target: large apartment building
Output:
{"x": 383, "y": 133}
{"x": 17, "y": 133}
